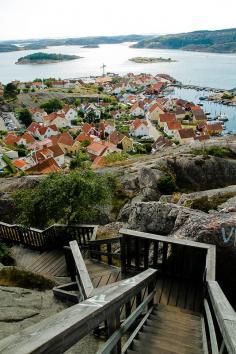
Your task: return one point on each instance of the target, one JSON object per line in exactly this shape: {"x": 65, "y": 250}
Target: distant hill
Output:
{"x": 15, "y": 45}
{"x": 220, "y": 41}
{"x": 45, "y": 58}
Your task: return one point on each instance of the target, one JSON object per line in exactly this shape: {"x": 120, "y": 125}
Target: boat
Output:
{"x": 222, "y": 118}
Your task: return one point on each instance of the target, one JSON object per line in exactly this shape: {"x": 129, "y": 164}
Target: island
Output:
{"x": 220, "y": 41}
{"x": 91, "y": 46}
{"x": 16, "y": 45}
{"x": 146, "y": 60}
{"x": 45, "y": 58}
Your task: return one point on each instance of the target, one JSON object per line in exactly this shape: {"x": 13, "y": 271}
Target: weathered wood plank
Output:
{"x": 84, "y": 281}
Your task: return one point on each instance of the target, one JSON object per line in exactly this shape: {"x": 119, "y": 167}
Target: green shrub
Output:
{"x": 166, "y": 184}
{"x": 12, "y": 276}
{"x": 5, "y": 255}
{"x": 115, "y": 157}
{"x": 216, "y": 151}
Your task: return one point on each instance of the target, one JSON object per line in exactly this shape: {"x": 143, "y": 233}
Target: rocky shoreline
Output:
{"x": 148, "y": 60}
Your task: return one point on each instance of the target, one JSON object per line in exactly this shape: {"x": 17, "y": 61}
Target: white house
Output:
{"x": 139, "y": 128}
{"x": 57, "y": 119}
{"x": 70, "y": 113}
{"x": 137, "y": 109}
{"x": 38, "y": 114}
{"x": 46, "y": 132}
{"x": 171, "y": 127}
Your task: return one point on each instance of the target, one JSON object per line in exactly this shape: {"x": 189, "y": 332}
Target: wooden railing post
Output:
{"x": 123, "y": 254}
{"x": 113, "y": 323}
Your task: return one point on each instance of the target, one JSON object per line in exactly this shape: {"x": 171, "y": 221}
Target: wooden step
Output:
{"x": 185, "y": 341}
{"x": 174, "y": 325}
{"x": 162, "y": 318}
{"x": 154, "y": 351}
{"x": 147, "y": 346}
{"x": 175, "y": 315}
{"x": 179, "y": 310}
{"x": 169, "y": 330}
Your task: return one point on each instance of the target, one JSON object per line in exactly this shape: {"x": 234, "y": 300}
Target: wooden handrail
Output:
{"x": 54, "y": 236}
{"x": 166, "y": 239}
{"x": 61, "y": 331}
{"x": 225, "y": 315}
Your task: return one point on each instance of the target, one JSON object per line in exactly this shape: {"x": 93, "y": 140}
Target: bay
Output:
{"x": 203, "y": 69}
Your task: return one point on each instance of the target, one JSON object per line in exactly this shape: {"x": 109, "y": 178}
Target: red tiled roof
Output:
{"x": 65, "y": 139}
{"x": 215, "y": 127}
{"x": 155, "y": 106}
{"x": 174, "y": 125}
{"x": 19, "y": 163}
{"x": 33, "y": 127}
{"x": 46, "y": 166}
{"x": 167, "y": 117}
{"x": 53, "y": 127}
{"x": 83, "y": 137}
{"x": 137, "y": 122}
{"x": 28, "y": 138}
{"x": 116, "y": 137}
{"x": 86, "y": 128}
{"x": 137, "y": 105}
{"x": 11, "y": 139}
{"x": 96, "y": 148}
{"x": 186, "y": 133}
{"x": 57, "y": 151}
{"x": 53, "y": 116}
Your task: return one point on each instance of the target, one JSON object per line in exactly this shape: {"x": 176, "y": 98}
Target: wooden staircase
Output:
{"x": 169, "y": 330}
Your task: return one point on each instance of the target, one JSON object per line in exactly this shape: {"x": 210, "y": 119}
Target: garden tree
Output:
{"x": 10, "y": 91}
{"x": 81, "y": 113}
{"x": 37, "y": 80}
{"x": 25, "y": 116}
{"x": 81, "y": 160}
{"x": 48, "y": 83}
{"x": 85, "y": 143}
{"x": 78, "y": 102}
{"x": 52, "y": 105}
{"x": 91, "y": 117}
{"x": 68, "y": 198}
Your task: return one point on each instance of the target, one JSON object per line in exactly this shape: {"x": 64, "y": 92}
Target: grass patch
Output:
{"x": 205, "y": 204}
{"x": 12, "y": 276}
{"x": 216, "y": 151}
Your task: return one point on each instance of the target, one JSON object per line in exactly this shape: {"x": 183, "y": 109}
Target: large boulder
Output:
{"x": 202, "y": 172}
{"x": 7, "y": 187}
{"x": 153, "y": 217}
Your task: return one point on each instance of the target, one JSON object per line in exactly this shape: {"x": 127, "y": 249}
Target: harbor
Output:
{"x": 215, "y": 111}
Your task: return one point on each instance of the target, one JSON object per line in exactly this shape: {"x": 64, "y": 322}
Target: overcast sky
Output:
{"x": 76, "y": 18}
